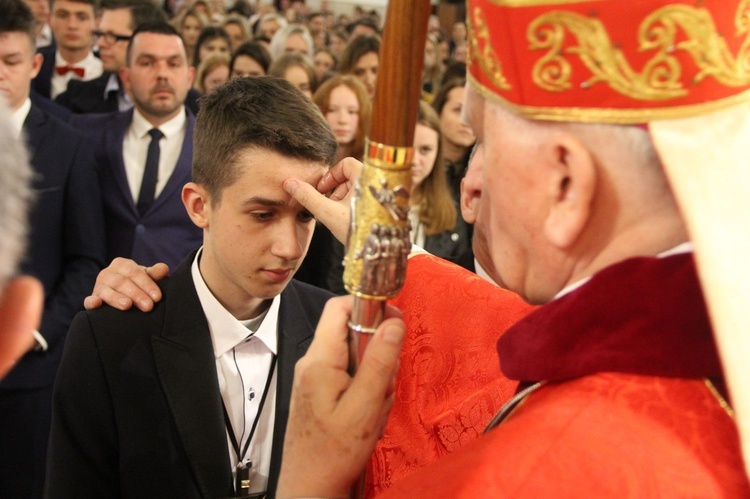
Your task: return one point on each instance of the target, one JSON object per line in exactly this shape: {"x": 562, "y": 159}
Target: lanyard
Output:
{"x": 243, "y": 472}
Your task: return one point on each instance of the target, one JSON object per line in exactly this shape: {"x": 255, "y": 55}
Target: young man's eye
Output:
{"x": 262, "y": 215}
{"x": 305, "y": 216}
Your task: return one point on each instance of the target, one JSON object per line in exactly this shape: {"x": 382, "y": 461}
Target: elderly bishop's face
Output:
{"x": 511, "y": 211}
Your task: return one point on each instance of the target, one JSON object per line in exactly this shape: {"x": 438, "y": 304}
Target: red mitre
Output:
{"x": 610, "y": 61}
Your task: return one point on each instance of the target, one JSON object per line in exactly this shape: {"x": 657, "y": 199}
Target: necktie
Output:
{"x": 150, "y": 174}
{"x": 61, "y": 70}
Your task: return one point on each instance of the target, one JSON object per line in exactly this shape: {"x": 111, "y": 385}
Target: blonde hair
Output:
{"x": 212, "y": 62}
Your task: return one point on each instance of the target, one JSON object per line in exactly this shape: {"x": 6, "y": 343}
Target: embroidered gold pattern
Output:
{"x": 486, "y": 57}
{"x": 660, "y": 77}
{"x": 723, "y": 403}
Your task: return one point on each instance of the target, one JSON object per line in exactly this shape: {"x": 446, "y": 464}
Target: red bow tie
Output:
{"x": 61, "y": 70}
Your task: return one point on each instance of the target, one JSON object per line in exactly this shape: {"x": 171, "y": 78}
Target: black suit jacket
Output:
{"x": 88, "y": 97}
{"x": 137, "y": 410}
{"x": 66, "y": 247}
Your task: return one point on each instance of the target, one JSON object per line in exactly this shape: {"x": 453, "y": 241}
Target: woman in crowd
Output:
{"x": 293, "y": 38}
{"x": 433, "y": 69}
{"x": 268, "y": 25}
{"x": 337, "y": 41}
{"x": 212, "y": 73}
{"x": 249, "y": 59}
{"x": 435, "y": 223}
{"x": 211, "y": 41}
{"x": 345, "y": 103}
{"x": 190, "y": 24}
{"x": 361, "y": 59}
{"x": 297, "y": 70}
{"x": 457, "y": 137}
{"x": 236, "y": 28}
{"x": 324, "y": 63}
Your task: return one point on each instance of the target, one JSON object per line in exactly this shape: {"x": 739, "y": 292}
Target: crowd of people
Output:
{"x": 189, "y": 159}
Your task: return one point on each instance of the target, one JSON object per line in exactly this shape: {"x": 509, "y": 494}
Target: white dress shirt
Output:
{"x": 44, "y": 38}
{"x": 18, "y": 117}
{"x": 124, "y": 102}
{"x": 242, "y": 366}
{"x": 91, "y": 65}
{"x": 135, "y": 149}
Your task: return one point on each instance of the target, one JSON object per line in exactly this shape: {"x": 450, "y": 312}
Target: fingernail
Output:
{"x": 145, "y": 303}
{"x": 154, "y": 295}
{"x": 393, "y": 334}
{"x": 291, "y": 186}
{"x": 123, "y": 302}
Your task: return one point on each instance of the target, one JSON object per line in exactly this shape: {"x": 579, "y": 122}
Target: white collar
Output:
{"x": 18, "y": 117}
{"x": 141, "y": 126}
{"x": 226, "y": 331}
{"x": 686, "y": 247}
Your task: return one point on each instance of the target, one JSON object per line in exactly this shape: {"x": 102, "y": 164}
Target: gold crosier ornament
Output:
{"x": 378, "y": 243}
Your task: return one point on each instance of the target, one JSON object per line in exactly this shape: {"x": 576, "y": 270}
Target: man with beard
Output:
{"x": 144, "y": 155}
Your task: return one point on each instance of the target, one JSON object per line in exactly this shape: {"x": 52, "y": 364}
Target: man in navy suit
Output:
{"x": 65, "y": 252}
{"x": 191, "y": 399}
{"x": 145, "y": 219}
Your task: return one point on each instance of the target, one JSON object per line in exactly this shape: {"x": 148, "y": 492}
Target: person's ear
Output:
{"x": 36, "y": 64}
{"x": 197, "y": 203}
{"x": 571, "y": 187}
{"x": 124, "y": 74}
{"x": 21, "y": 305}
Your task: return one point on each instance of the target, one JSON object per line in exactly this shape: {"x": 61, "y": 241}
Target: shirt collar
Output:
{"x": 18, "y": 116}
{"x": 113, "y": 84}
{"x": 226, "y": 331}
{"x": 87, "y": 62}
{"x": 686, "y": 247}
{"x": 170, "y": 129}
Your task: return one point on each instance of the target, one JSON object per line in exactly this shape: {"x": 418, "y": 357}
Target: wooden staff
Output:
{"x": 378, "y": 243}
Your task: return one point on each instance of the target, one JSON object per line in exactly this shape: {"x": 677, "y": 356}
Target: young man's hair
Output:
{"x": 16, "y": 16}
{"x": 157, "y": 27}
{"x": 140, "y": 11}
{"x": 261, "y": 112}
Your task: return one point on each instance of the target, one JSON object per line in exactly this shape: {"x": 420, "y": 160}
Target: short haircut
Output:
{"x": 263, "y": 112}
{"x": 15, "y": 182}
{"x": 15, "y": 16}
{"x": 290, "y": 60}
{"x": 157, "y": 27}
{"x": 207, "y": 34}
{"x": 254, "y": 51}
{"x": 355, "y": 49}
{"x": 140, "y": 10}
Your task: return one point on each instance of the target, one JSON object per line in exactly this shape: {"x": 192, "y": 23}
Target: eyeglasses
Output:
{"x": 110, "y": 37}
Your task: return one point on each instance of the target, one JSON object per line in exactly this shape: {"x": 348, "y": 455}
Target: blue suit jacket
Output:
{"x": 164, "y": 233}
{"x": 66, "y": 243}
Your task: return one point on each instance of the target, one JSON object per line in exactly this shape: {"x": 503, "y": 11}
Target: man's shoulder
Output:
{"x": 97, "y": 122}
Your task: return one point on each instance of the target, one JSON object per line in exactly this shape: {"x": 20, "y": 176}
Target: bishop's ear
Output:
{"x": 571, "y": 186}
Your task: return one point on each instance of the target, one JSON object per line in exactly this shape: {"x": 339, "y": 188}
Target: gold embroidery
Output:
{"x": 660, "y": 77}
{"x": 487, "y": 59}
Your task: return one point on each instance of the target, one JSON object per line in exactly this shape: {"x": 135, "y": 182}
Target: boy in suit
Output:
{"x": 191, "y": 399}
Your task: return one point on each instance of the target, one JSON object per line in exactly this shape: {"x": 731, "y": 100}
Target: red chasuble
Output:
{"x": 626, "y": 410}
{"x": 448, "y": 386}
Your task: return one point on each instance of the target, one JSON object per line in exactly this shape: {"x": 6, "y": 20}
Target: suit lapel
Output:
{"x": 114, "y": 137}
{"x": 295, "y": 333}
{"x": 31, "y": 126}
{"x": 187, "y": 369}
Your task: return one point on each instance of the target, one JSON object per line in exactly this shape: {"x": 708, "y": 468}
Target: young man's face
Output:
{"x": 72, "y": 24}
{"x": 18, "y": 65}
{"x": 158, "y": 76}
{"x": 113, "y": 53}
{"x": 256, "y": 236}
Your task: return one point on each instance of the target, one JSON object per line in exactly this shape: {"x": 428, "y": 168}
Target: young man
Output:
{"x": 144, "y": 154}
{"x": 71, "y": 57}
{"x": 65, "y": 252}
{"x": 170, "y": 403}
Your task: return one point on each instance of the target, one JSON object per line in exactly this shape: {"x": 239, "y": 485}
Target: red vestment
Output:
{"x": 626, "y": 409}
{"x": 448, "y": 386}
